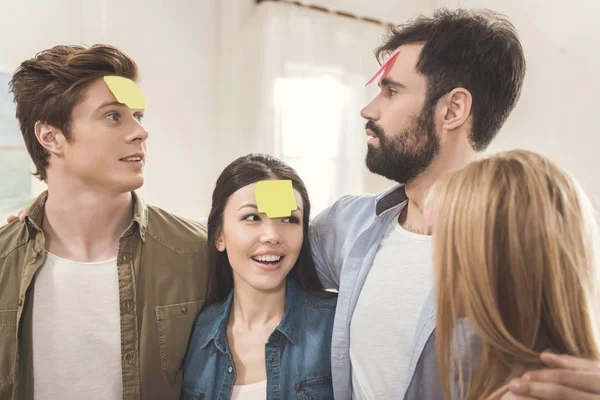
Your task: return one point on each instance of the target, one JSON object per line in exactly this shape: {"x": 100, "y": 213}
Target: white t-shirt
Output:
{"x": 77, "y": 331}
{"x": 254, "y": 391}
{"x": 383, "y": 324}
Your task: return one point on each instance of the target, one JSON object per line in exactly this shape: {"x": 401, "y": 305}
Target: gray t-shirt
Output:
{"x": 383, "y": 326}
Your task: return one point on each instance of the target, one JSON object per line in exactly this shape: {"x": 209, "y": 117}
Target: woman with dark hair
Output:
{"x": 266, "y": 330}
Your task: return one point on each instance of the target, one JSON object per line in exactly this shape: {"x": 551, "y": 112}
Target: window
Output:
{"x": 310, "y": 121}
{"x": 15, "y": 164}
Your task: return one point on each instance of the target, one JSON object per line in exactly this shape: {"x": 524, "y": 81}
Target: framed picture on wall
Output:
{"x": 15, "y": 164}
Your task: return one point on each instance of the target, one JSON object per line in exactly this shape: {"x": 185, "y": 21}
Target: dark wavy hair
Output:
{"x": 478, "y": 50}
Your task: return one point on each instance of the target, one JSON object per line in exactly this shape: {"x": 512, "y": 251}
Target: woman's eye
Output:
{"x": 251, "y": 217}
{"x": 291, "y": 220}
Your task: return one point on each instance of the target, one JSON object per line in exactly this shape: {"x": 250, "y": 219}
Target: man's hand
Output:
{"x": 20, "y": 216}
{"x": 567, "y": 378}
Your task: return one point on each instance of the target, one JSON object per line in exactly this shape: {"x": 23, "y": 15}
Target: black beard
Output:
{"x": 406, "y": 155}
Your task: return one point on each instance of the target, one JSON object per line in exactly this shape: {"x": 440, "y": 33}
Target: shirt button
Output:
{"x": 127, "y": 305}
{"x": 20, "y": 302}
{"x": 36, "y": 255}
{"x": 272, "y": 360}
{"x": 184, "y": 310}
{"x": 230, "y": 369}
{"x": 130, "y": 358}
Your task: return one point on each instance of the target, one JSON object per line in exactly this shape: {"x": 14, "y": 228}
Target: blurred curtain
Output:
{"x": 292, "y": 85}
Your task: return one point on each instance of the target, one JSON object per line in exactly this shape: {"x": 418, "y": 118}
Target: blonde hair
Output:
{"x": 516, "y": 252}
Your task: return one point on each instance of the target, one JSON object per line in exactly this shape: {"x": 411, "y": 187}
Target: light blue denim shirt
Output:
{"x": 297, "y": 354}
{"x": 345, "y": 238}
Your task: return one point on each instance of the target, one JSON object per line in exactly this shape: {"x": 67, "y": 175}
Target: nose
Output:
{"x": 371, "y": 111}
{"x": 270, "y": 234}
{"x": 138, "y": 133}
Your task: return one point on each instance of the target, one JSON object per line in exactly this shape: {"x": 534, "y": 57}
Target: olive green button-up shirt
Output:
{"x": 162, "y": 269}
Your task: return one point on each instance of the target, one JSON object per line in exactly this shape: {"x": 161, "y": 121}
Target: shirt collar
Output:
{"x": 289, "y": 325}
{"x": 35, "y": 215}
{"x": 390, "y": 199}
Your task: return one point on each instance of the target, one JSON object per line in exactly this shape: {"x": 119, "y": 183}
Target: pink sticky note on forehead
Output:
{"x": 384, "y": 66}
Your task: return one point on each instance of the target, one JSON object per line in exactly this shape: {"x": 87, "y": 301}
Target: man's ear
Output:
{"x": 457, "y": 108}
{"x": 52, "y": 139}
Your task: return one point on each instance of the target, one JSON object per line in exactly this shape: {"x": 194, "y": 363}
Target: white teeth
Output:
{"x": 132, "y": 159}
{"x": 268, "y": 258}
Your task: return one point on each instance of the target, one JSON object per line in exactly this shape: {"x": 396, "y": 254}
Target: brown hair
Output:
{"x": 478, "y": 50}
{"x": 47, "y": 87}
{"x": 517, "y": 238}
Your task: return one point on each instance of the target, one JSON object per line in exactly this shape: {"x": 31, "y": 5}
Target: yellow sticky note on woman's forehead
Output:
{"x": 126, "y": 92}
{"x": 275, "y": 198}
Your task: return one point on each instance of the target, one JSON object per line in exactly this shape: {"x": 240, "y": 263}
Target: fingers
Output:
{"x": 512, "y": 396}
{"x": 23, "y": 214}
{"x": 583, "y": 380}
{"x": 566, "y": 361}
{"x": 548, "y": 390}
{"x": 20, "y": 215}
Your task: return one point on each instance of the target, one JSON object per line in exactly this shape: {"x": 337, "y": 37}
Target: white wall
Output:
{"x": 557, "y": 114}
{"x": 383, "y": 10}
{"x": 181, "y": 46}
{"x": 175, "y": 44}
{"x": 234, "y": 137}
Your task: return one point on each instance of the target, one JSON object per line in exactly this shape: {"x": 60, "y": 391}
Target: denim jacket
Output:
{"x": 297, "y": 354}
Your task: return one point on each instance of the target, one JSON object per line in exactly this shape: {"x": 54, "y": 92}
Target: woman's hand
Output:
{"x": 20, "y": 215}
{"x": 566, "y": 378}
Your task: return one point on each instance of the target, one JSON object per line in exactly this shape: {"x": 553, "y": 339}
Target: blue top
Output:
{"x": 297, "y": 354}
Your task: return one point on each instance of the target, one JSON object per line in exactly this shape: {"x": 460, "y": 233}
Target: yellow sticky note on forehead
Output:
{"x": 126, "y": 92}
{"x": 275, "y": 198}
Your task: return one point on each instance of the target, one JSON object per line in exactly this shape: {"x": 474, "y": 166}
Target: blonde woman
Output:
{"x": 516, "y": 255}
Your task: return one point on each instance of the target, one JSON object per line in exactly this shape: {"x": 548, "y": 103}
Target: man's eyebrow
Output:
{"x": 109, "y": 103}
{"x": 390, "y": 82}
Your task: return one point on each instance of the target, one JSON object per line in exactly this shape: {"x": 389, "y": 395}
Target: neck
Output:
{"x": 85, "y": 225}
{"x": 253, "y": 308}
{"x": 452, "y": 157}
{"x": 412, "y": 217}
